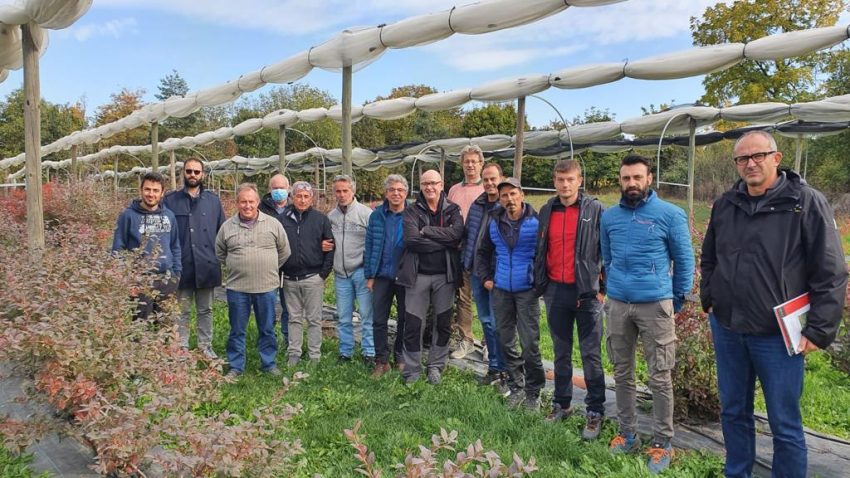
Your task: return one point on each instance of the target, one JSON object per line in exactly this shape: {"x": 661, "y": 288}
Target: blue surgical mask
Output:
{"x": 279, "y": 195}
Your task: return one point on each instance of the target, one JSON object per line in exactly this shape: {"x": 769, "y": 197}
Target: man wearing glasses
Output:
{"x": 430, "y": 269}
{"x": 771, "y": 238}
{"x": 199, "y": 217}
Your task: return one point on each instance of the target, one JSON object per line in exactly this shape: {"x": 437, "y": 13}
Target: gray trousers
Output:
{"x": 654, "y": 323}
{"x": 202, "y": 298}
{"x": 436, "y": 291}
{"x": 304, "y": 304}
{"x": 518, "y": 314}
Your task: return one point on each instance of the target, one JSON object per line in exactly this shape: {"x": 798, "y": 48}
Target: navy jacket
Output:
{"x": 137, "y": 227}
{"x": 754, "y": 258}
{"x": 506, "y": 256}
{"x": 472, "y": 232}
{"x": 375, "y": 243}
{"x": 198, "y": 221}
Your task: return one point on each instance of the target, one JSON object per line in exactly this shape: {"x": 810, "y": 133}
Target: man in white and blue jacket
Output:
{"x": 649, "y": 263}
{"x": 147, "y": 224}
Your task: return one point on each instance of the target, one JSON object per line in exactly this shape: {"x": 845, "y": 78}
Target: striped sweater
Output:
{"x": 253, "y": 254}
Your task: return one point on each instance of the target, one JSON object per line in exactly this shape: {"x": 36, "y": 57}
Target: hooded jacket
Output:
{"x": 138, "y": 227}
{"x": 758, "y": 255}
{"x": 198, "y": 221}
{"x": 349, "y": 230}
{"x": 421, "y": 236}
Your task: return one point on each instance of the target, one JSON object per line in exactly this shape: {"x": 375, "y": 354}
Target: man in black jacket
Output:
{"x": 771, "y": 238}
{"x": 430, "y": 270}
{"x": 568, "y": 269}
{"x": 305, "y": 272}
{"x": 199, "y": 217}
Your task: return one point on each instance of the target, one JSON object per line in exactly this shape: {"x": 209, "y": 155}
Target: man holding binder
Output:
{"x": 771, "y": 238}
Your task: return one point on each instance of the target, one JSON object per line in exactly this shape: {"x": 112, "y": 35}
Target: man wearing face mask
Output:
{"x": 199, "y": 217}
{"x": 273, "y": 204}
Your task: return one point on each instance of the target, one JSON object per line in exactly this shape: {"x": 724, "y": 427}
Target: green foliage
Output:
{"x": 57, "y": 121}
{"x": 174, "y": 85}
{"x": 17, "y": 466}
{"x": 491, "y": 119}
{"x": 751, "y": 81}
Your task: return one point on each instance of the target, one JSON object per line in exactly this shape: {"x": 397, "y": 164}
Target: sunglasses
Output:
{"x": 196, "y": 172}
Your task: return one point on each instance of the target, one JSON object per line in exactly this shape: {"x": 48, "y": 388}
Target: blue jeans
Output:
{"x": 488, "y": 325}
{"x": 284, "y": 317}
{"x": 742, "y": 358}
{"x": 347, "y": 288}
{"x": 238, "y": 311}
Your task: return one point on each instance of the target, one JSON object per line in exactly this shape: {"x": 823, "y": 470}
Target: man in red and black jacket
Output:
{"x": 568, "y": 270}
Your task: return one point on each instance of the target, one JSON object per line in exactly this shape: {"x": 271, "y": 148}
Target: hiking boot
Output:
{"x": 409, "y": 381}
{"x": 274, "y": 372}
{"x": 502, "y": 385}
{"x": 659, "y": 457}
{"x": 233, "y": 373}
{"x": 343, "y": 359}
{"x": 464, "y": 348}
{"x": 369, "y": 361}
{"x": 209, "y": 353}
{"x": 623, "y": 443}
{"x": 434, "y": 376}
{"x": 293, "y": 361}
{"x": 515, "y": 397}
{"x": 490, "y": 378}
{"x": 531, "y": 403}
{"x": 592, "y": 426}
{"x": 559, "y": 413}
{"x": 380, "y": 369}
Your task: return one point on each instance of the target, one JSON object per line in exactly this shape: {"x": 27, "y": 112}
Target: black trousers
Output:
{"x": 383, "y": 292}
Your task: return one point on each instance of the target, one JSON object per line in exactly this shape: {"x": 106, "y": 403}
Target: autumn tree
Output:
{"x": 57, "y": 121}
{"x": 751, "y": 81}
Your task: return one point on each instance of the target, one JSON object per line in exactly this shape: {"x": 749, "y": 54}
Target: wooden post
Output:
{"x": 115, "y": 175}
{"x": 520, "y": 129}
{"x": 281, "y": 149}
{"x": 172, "y": 167}
{"x": 443, "y": 163}
{"x": 317, "y": 175}
{"x": 47, "y": 175}
{"x": 235, "y": 177}
{"x": 154, "y": 146}
{"x": 798, "y": 157}
{"x": 32, "y": 142}
{"x": 692, "y": 150}
{"x": 74, "y": 166}
{"x": 346, "y": 120}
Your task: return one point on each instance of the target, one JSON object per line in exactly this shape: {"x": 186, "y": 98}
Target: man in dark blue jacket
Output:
{"x": 771, "y": 238}
{"x": 505, "y": 263}
{"x": 384, "y": 246}
{"x": 148, "y": 225}
{"x": 649, "y": 267}
{"x": 199, "y": 216}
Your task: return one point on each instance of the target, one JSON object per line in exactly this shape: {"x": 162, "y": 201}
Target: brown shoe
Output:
{"x": 380, "y": 369}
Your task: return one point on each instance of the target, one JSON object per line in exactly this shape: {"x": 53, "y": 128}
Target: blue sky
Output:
{"x": 134, "y": 43}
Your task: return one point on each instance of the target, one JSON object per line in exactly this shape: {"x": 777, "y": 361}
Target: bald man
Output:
{"x": 430, "y": 270}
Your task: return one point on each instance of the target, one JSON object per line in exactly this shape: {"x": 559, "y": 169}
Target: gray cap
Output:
{"x": 510, "y": 182}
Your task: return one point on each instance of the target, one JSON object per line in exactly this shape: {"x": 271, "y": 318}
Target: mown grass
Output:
{"x": 397, "y": 419}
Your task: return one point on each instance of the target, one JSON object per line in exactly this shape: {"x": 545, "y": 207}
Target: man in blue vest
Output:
{"x": 649, "y": 267}
{"x": 505, "y": 263}
{"x": 199, "y": 217}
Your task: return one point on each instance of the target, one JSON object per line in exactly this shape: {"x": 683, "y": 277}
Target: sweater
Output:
{"x": 253, "y": 254}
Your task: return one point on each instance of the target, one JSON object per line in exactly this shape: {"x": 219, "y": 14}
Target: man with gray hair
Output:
{"x": 305, "y": 272}
{"x": 384, "y": 246}
{"x": 253, "y": 246}
{"x": 464, "y": 194}
{"x": 349, "y": 220}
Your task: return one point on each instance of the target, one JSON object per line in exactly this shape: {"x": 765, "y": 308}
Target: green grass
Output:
{"x": 397, "y": 419}
{"x": 12, "y": 466}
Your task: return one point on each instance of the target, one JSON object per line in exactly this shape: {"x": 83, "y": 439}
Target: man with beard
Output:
{"x": 199, "y": 217}
{"x": 505, "y": 261}
{"x": 649, "y": 266}
{"x": 147, "y": 224}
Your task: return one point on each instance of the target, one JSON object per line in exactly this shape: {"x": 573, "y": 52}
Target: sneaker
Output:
{"x": 342, "y": 359}
{"x": 274, "y": 372}
{"x": 209, "y": 353}
{"x": 380, "y": 369}
{"x": 592, "y": 426}
{"x": 293, "y": 361}
{"x": 490, "y": 378}
{"x": 434, "y": 376}
{"x": 623, "y": 443}
{"x": 531, "y": 403}
{"x": 515, "y": 397}
{"x": 558, "y": 413}
{"x": 409, "y": 381}
{"x": 659, "y": 457}
{"x": 464, "y": 348}
{"x": 233, "y": 373}
{"x": 369, "y": 361}
{"x": 502, "y": 385}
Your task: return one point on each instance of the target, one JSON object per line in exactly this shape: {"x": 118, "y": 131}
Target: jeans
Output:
{"x": 239, "y": 306}
{"x": 347, "y": 288}
{"x": 564, "y": 309}
{"x": 518, "y": 314}
{"x": 383, "y": 290}
{"x": 742, "y": 358}
{"x": 284, "y": 316}
{"x": 488, "y": 324}
{"x": 202, "y": 298}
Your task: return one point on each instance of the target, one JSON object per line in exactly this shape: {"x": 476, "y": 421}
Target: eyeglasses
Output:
{"x": 196, "y": 172}
{"x": 396, "y": 190}
{"x": 429, "y": 184}
{"x": 756, "y": 157}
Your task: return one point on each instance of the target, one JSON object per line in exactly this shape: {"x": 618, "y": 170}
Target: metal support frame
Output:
{"x": 691, "y": 157}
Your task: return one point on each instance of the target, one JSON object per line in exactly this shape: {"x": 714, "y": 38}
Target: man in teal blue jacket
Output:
{"x": 649, "y": 262}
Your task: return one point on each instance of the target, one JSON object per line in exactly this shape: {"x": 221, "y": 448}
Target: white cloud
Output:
{"x": 113, "y": 28}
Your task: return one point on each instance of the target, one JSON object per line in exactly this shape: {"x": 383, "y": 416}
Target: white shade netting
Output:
{"x": 587, "y": 76}
{"x": 796, "y": 43}
{"x": 279, "y": 118}
{"x": 697, "y": 61}
{"x": 390, "y": 109}
{"x": 485, "y": 17}
{"x": 415, "y": 31}
{"x": 443, "y": 101}
{"x": 335, "y": 113}
{"x": 510, "y": 89}
{"x": 352, "y": 47}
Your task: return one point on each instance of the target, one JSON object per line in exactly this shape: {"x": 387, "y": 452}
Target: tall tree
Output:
{"x": 788, "y": 80}
{"x": 122, "y": 104}
{"x": 174, "y": 85}
{"x": 57, "y": 121}
{"x": 490, "y": 119}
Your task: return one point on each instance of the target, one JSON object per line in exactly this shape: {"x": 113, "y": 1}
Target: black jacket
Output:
{"x": 267, "y": 206}
{"x": 754, "y": 258}
{"x": 590, "y": 277}
{"x": 198, "y": 222}
{"x": 305, "y": 232}
{"x": 420, "y": 236}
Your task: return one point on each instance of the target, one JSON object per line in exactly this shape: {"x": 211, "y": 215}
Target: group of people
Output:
{"x": 770, "y": 238}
